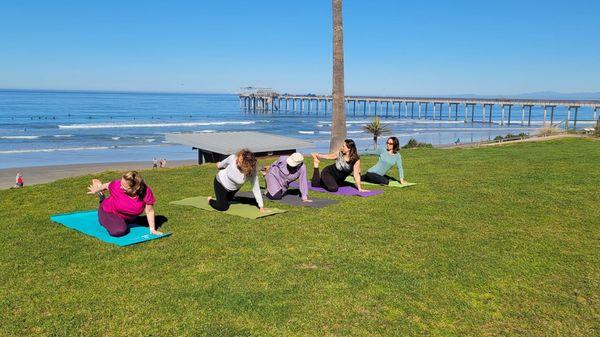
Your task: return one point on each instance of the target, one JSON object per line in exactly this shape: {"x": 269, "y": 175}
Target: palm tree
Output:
{"x": 377, "y": 129}
{"x": 338, "y": 117}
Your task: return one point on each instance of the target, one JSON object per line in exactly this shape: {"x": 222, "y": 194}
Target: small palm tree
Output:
{"x": 377, "y": 129}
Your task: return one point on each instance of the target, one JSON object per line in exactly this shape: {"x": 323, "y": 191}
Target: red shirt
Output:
{"x": 20, "y": 180}
{"x": 123, "y": 205}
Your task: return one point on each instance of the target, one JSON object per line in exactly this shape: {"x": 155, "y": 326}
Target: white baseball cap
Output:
{"x": 295, "y": 159}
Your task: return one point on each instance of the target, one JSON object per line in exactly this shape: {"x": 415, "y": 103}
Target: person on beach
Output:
{"x": 154, "y": 163}
{"x": 234, "y": 171}
{"x": 347, "y": 161}
{"x": 282, "y": 172}
{"x": 128, "y": 198}
{"x": 387, "y": 158}
{"x": 19, "y": 180}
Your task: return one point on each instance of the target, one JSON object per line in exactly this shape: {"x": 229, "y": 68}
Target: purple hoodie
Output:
{"x": 279, "y": 178}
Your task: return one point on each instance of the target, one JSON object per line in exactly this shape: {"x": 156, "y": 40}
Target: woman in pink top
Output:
{"x": 129, "y": 198}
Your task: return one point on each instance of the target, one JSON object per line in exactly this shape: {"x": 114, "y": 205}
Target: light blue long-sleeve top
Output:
{"x": 386, "y": 161}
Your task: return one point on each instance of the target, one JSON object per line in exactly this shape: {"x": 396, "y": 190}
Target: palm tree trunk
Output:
{"x": 338, "y": 118}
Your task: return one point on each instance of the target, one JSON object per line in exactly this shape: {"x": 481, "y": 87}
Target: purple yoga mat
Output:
{"x": 343, "y": 190}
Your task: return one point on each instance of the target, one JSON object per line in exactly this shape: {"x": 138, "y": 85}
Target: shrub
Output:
{"x": 547, "y": 130}
{"x": 413, "y": 143}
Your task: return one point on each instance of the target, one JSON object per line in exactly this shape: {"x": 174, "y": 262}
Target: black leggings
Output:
{"x": 375, "y": 178}
{"x": 277, "y": 195}
{"x": 325, "y": 180}
{"x": 223, "y": 197}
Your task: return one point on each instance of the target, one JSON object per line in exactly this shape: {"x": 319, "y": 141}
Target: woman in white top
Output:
{"x": 234, "y": 171}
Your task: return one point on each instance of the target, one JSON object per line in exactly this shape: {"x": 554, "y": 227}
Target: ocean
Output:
{"x": 54, "y": 128}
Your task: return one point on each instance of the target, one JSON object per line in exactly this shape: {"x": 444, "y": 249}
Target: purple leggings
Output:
{"x": 115, "y": 225}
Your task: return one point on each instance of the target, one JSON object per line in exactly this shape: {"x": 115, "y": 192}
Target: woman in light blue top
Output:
{"x": 387, "y": 158}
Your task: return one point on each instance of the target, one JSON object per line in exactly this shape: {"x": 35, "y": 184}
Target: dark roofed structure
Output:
{"x": 214, "y": 147}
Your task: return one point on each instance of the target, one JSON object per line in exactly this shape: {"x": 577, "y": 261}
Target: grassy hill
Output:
{"x": 492, "y": 241}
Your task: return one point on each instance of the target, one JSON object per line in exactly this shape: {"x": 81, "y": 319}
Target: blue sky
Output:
{"x": 391, "y": 47}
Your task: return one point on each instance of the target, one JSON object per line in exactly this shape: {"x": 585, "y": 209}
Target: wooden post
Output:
{"x": 387, "y": 108}
{"x": 326, "y": 106}
{"x": 412, "y": 110}
{"x": 456, "y": 113}
{"x": 433, "y": 111}
{"x": 466, "y": 111}
{"x": 354, "y": 111}
{"x": 309, "y": 104}
{"x": 502, "y": 115}
{"x": 529, "y": 118}
{"x": 491, "y": 113}
{"x": 575, "y": 119}
{"x": 364, "y": 108}
{"x": 419, "y": 110}
{"x": 567, "y": 120}
{"x": 483, "y": 113}
{"x": 369, "y": 105}
{"x": 509, "y": 113}
{"x": 545, "y": 113}
{"x": 522, "y": 115}
{"x": 473, "y": 113}
{"x": 552, "y": 115}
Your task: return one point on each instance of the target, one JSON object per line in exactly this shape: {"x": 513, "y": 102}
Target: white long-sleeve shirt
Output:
{"x": 232, "y": 178}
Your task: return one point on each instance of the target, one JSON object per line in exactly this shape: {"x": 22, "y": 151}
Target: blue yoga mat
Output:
{"x": 87, "y": 223}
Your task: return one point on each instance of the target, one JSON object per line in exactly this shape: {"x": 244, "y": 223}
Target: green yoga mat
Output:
{"x": 236, "y": 208}
{"x": 393, "y": 183}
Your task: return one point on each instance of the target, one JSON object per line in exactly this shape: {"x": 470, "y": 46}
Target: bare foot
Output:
{"x": 208, "y": 199}
{"x": 316, "y": 160}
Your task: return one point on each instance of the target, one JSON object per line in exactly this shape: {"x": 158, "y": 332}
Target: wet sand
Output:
{"x": 44, "y": 174}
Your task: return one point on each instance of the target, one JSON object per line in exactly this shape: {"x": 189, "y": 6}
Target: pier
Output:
{"x": 502, "y": 111}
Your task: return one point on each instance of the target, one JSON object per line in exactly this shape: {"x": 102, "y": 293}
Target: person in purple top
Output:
{"x": 282, "y": 172}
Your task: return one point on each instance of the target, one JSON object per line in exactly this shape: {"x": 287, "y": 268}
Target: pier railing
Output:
{"x": 435, "y": 108}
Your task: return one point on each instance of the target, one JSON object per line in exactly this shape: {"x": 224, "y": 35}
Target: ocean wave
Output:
{"x": 150, "y": 125}
{"x": 150, "y": 140}
{"x": 62, "y": 136}
{"x": 201, "y": 131}
{"x": 356, "y": 131}
{"x": 115, "y": 138}
{"x": 19, "y": 137}
{"x": 83, "y": 148}
{"x": 306, "y": 132}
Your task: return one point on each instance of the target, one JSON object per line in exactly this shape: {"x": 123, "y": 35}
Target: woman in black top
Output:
{"x": 347, "y": 161}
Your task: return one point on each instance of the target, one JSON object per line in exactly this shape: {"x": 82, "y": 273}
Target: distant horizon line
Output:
{"x": 100, "y": 91}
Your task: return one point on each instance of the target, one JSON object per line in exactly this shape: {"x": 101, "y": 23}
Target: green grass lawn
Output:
{"x": 492, "y": 241}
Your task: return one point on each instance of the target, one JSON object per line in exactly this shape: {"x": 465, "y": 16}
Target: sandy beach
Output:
{"x": 44, "y": 174}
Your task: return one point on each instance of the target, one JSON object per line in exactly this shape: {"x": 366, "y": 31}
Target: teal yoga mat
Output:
{"x": 87, "y": 223}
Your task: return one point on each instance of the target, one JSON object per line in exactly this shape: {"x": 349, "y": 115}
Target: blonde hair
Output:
{"x": 136, "y": 183}
{"x": 247, "y": 163}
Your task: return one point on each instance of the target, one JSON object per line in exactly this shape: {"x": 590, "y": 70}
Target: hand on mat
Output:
{"x": 402, "y": 181}
{"x": 155, "y": 232}
{"x": 306, "y": 200}
{"x": 262, "y": 210}
{"x": 364, "y": 191}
